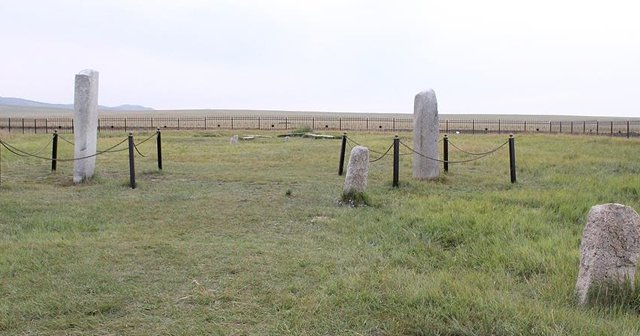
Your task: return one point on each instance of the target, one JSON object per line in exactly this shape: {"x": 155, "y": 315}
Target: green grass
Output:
{"x": 250, "y": 240}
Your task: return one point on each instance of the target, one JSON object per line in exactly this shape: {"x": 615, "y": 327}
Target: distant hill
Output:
{"x": 10, "y": 101}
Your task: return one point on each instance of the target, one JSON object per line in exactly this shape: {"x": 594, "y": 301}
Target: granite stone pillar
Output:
{"x": 425, "y": 136}
{"x": 85, "y": 124}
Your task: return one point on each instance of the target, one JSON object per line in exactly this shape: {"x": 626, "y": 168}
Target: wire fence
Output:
{"x": 622, "y": 128}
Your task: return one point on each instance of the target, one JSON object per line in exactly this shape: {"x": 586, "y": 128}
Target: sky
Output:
{"x": 544, "y": 57}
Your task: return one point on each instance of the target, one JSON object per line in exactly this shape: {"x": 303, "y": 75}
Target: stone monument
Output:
{"x": 85, "y": 126}
{"x": 425, "y": 136}
{"x": 355, "y": 183}
{"x": 609, "y": 249}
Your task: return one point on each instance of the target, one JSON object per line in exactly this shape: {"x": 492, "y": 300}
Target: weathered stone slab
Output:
{"x": 609, "y": 249}
{"x": 85, "y": 126}
{"x": 425, "y": 136}
{"x": 233, "y": 140}
{"x": 357, "y": 171}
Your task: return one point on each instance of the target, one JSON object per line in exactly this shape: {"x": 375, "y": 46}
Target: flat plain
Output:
{"x": 250, "y": 239}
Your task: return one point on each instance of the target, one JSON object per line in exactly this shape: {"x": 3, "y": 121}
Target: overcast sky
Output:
{"x": 486, "y": 57}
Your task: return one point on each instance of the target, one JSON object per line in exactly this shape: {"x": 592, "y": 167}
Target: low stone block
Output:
{"x": 609, "y": 249}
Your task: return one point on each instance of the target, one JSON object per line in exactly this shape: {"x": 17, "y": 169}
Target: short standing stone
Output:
{"x": 85, "y": 127}
{"x": 357, "y": 171}
{"x": 425, "y": 136}
{"x": 234, "y": 140}
{"x": 609, "y": 249}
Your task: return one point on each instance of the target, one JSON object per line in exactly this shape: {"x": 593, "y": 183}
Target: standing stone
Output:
{"x": 234, "y": 140}
{"x": 425, "y": 135}
{"x": 609, "y": 249}
{"x": 85, "y": 126}
{"x": 357, "y": 171}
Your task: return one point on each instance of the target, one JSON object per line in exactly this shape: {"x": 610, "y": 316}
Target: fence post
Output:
{"x": 22, "y": 125}
{"x": 512, "y": 158}
{"x": 584, "y": 127}
{"x": 396, "y": 161}
{"x": 525, "y": 126}
{"x": 627, "y": 129}
{"x": 340, "y": 124}
{"x": 205, "y": 123}
{"x": 313, "y": 123}
{"x": 125, "y": 124}
{"x": 499, "y": 126}
{"x": 35, "y": 126}
{"x": 159, "y": 148}
{"x": 597, "y": 127}
{"x": 561, "y": 127}
{"x": 259, "y": 126}
{"x": 9, "y": 125}
{"x": 367, "y": 123}
{"x": 132, "y": 170}
{"x": 46, "y": 125}
{"x": 342, "y": 150}
{"x": 393, "y": 123}
{"x": 572, "y": 127}
{"x": 445, "y": 152}
{"x": 54, "y": 151}
{"x": 72, "y": 127}
{"x": 612, "y": 128}
{"x": 473, "y": 126}
{"x": 231, "y": 122}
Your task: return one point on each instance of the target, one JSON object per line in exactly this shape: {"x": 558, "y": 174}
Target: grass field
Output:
{"x": 249, "y": 240}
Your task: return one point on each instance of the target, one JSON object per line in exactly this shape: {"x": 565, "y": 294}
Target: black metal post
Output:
{"x": 445, "y": 152}
{"x": 396, "y": 161}
{"x": 512, "y": 158}
{"x": 54, "y": 151}
{"x": 342, "y": 150}
{"x": 159, "y": 148}
{"x": 132, "y": 170}
{"x": 612, "y": 128}
{"x": 627, "y": 129}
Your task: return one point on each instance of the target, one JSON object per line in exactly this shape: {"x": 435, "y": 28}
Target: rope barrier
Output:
{"x": 449, "y": 161}
{"x": 357, "y": 144}
{"x": 22, "y": 153}
{"x": 472, "y": 153}
{"x": 137, "y": 150}
{"x": 65, "y": 140}
{"x": 383, "y": 155}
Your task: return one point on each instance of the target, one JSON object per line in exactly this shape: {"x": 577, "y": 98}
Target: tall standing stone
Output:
{"x": 609, "y": 249}
{"x": 85, "y": 126}
{"x": 425, "y": 136}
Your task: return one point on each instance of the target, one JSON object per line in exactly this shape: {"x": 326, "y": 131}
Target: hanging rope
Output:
{"x": 349, "y": 140}
{"x": 472, "y": 153}
{"x": 22, "y": 153}
{"x": 65, "y": 140}
{"x": 449, "y": 161}
{"x": 383, "y": 155}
